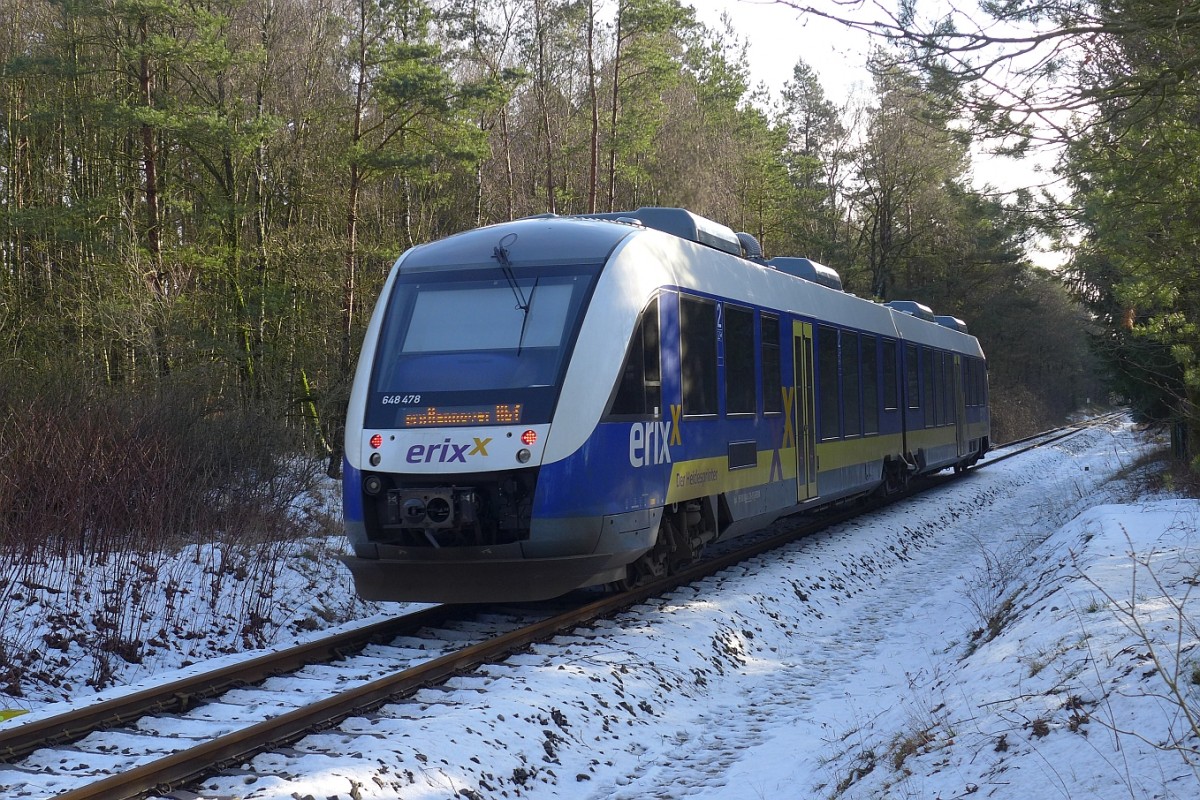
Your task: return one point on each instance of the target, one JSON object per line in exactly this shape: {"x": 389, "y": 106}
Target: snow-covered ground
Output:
{"x": 1027, "y": 632}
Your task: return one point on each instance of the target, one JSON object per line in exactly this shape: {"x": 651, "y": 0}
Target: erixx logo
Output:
{"x": 447, "y": 452}
{"x": 649, "y": 443}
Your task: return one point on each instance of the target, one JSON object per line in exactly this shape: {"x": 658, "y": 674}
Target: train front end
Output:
{"x": 452, "y": 407}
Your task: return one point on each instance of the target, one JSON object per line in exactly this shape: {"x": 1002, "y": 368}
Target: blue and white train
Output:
{"x": 560, "y": 402}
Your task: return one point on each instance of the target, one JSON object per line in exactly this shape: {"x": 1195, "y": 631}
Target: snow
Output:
{"x": 1028, "y": 631}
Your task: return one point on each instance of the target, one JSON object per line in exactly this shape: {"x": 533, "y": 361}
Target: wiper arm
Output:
{"x": 525, "y": 321}
{"x": 500, "y": 253}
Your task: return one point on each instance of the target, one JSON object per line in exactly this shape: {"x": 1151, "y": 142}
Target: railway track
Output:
{"x": 129, "y": 748}
{"x": 1024, "y": 445}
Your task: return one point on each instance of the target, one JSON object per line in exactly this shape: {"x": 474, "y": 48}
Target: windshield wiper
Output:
{"x": 525, "y": 321}
{"x": 500, "y": 253}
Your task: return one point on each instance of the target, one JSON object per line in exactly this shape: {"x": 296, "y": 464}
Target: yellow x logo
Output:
{"x": 676, "y": 417}
{"x": 789, "y": 436}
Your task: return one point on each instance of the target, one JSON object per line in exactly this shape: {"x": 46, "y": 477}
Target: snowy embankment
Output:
{"x": 1013, "y": 635}
{"x": 996, "y": 637}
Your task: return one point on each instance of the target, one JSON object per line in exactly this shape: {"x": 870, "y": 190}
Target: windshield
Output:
{"x": 448, "y": 318}
{"x": 466, "y": 339}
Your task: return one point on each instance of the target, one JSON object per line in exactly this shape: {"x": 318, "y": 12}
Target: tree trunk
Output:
{"x": 594, "y": 140}
{"x": 612, "y": 128}
{"x": 539, "y": 21}
{"x": 510, "y": 188}
{"x": 155, "y": 278}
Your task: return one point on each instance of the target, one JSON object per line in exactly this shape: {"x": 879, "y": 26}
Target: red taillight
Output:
{"x": 377, "y": 441}
{"x": 528, "y": 437}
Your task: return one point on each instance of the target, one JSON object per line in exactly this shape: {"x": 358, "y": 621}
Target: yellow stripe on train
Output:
{"x": 705, "y": 476}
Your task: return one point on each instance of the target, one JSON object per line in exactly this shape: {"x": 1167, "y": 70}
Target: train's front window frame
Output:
{"x": 471, "y": 336}
{"x": 447, "y": 317}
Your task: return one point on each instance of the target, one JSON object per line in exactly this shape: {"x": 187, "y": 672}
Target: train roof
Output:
{"x": 693, "y": 266}
{"x": 533, "y": 241}
{"x": 676, "y": 245}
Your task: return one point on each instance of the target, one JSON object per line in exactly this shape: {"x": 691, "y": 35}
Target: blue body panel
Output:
{"x": 601, "y": 478}
{"x": 352, "y": 495}
{"x": 598, "y": 479}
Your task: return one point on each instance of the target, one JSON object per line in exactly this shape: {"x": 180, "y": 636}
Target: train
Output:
{"x": 560, "y": 402}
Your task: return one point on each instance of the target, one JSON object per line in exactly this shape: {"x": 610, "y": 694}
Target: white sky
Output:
{"x": 779, "y": 36}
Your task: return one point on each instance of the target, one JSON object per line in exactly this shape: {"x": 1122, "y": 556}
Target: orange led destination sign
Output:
{"x": 464, "y": 415}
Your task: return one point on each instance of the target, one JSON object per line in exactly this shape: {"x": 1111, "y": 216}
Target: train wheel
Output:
{"x": 895, "y": 477}
{"x": 671, "y": 553}
{"x": 625, "y": 584}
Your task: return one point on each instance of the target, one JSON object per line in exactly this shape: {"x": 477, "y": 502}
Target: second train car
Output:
{"x": 561, "y": 402}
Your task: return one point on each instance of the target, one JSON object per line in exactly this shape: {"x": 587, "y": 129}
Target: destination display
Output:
{"x": 441, "y": 416}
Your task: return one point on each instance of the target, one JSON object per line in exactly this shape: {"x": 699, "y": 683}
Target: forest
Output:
{"x": 200, "y": 199}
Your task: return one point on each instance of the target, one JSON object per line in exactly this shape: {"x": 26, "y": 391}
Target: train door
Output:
{"x": 960, "y": 408}
{"x": 802, "y": 411}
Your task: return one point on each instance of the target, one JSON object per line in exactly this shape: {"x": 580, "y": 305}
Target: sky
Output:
{"x": 849, "y": 664}
{"x": 779, "y": 36}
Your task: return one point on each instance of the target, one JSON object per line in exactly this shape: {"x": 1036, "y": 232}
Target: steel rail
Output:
{"x": 1072, "y": 426}
{"x": 1060, "y": 434}
{"x": 22, "y": 739}
{"x": 184, "y": 766}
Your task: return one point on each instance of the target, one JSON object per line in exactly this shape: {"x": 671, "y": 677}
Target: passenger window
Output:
{"x": 929, "y": 394}
{"x": 939, "y": 387}
{"x": 827, "y": 382}
{"x": 739, "y": 360}
{"x": 968, "y": 374}
{"x": 850, "y": 384}
{"x": 891, "y": 387}
{"x": 912, "y": 376}
{"x": 948, "y": 385}
{"x": 772, "y": 378}
{"x": 698, "y": 351}
{"x": 639, "y": 392}
{"x": 870, "y": 385}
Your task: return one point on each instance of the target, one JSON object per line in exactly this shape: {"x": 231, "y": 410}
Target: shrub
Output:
{"x": 90, "y": 470}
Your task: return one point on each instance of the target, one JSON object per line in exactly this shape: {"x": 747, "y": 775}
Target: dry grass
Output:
{"x": 87, "y": 471}
{"x": 100, "y": 493}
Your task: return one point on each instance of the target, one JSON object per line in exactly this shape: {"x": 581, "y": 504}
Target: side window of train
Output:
{"x": 851, "y": 384}
{"x": 973, "y": 382}
{"x": 639, "y": 392}
{"x": 929, "y": 393}
{"x": 939, "y": 380}
{"x": 870, "y": 384}
{"x": 891, "y": 384}
{"x": 977, "y": 381}
{"x": 948, "y": 401}
{"x": 772, "y": 378}
{"x": 827, "y": 382}
{"x": 945, "y": 373}
{"x": 912, "y": 381}
{"x": 739, "y": 360}
{"x": 698, "y": 355}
